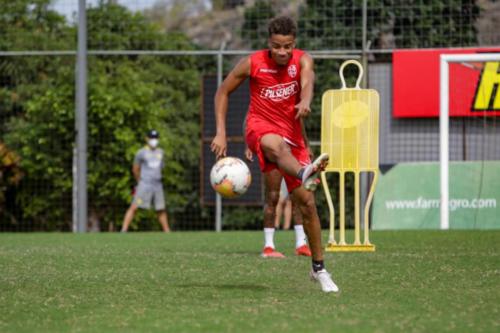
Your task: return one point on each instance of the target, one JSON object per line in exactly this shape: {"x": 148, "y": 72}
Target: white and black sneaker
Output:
{"x": 310, "y": 177}
{"x": 325, "y": 280}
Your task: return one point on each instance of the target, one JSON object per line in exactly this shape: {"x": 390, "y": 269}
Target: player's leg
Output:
{"x": 142, "y": 199}
{"x": 306, "y": 204}
{"x": 129, "y": 216}
{"x": 301, "y": 247}
{"x": 296, "y": 214}
{"x": 287, "y": 213}
{"x": 272, "y": 182}
{"x": 312, "y": 227}
{"x": 279, "y": 213}
{"x": 163, "y": 219}
{"x": 276, "y": 150}
{"x": 161, "y": 212}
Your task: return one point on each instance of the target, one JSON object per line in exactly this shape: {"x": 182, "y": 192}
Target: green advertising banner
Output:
{"x": 407, "y": 196}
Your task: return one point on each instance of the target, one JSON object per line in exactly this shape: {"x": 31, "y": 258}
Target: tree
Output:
{"x": 25, "y": 25}
{"x": 127, "y": 95}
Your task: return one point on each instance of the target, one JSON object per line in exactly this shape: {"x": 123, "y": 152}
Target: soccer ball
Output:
{"x": 230, "y": 177}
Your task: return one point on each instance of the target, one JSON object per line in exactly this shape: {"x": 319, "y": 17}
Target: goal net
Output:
{"x": 469, "y": 140}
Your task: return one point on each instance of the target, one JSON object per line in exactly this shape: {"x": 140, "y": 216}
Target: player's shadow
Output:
{"x": 250, "y": 287}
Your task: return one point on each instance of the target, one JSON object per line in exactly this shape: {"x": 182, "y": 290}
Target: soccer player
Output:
{"x": 281, "y": 91}
{"x": 147, "y": 166}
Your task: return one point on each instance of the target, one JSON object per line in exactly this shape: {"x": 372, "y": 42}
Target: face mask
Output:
{"x": 153, "y": 143}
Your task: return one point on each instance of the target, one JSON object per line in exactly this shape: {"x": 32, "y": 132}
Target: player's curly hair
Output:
{"x": 282, "y": 25}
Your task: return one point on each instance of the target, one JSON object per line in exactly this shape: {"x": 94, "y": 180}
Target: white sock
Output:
{"x": 269, "y": 237}
{"x": 300, "y": 236}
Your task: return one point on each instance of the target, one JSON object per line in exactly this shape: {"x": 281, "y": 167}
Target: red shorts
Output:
{"x": 301, "y": 153}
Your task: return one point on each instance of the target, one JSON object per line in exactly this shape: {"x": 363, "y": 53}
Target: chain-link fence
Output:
{"x": 147, "y": 64}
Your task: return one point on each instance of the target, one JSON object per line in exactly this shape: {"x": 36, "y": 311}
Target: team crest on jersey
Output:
{"x": 292, "y": 71}
{"x": 154, "y": 160}
{"x": 280, "y": 92}
{"x": 154, "y": 164}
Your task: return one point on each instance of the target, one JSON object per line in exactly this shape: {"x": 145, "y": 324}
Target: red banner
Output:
{"x": 474, "y": 87}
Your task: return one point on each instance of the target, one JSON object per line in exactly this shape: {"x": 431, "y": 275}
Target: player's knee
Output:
{"x": 272, "y": 147}
{"x": 270, "y": 152}
{"x": 133, "y": 208}
{"x": 272, "y": 198}
{"x": 308, "y": 206}
{"x": 297, "y": 216}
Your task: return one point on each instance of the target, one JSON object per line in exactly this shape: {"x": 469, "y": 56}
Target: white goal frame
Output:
{"x": 444, "y": 104}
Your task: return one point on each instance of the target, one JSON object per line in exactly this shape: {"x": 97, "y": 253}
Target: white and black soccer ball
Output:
{"x": 230, "y": 177}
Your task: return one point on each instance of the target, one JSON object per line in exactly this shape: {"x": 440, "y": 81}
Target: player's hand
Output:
{"x": 219, "y": 146}
{"x": 248, "y": 154}
{"x": 303, "y": 110}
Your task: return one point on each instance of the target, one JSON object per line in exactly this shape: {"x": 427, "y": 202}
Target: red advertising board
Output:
{"x": 474, "y": 87}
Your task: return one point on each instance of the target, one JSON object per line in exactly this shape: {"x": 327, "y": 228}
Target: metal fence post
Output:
{"x": 218, "y": 199}
{"x": 364, "y": 56}
{"x": 81, "y": 120}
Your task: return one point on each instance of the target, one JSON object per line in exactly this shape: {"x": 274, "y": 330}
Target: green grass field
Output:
{"x": 418, "y": 281}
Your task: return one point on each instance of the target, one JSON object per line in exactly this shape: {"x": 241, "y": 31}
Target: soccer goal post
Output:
{"x": 445, "y": 61}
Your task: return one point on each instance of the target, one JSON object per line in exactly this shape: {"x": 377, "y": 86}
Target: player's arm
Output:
{"x": 136, "y": 170}
{"x": 239, "y": 73}
{"x": 306, "y": 85}
{"x": 136, "y": 165}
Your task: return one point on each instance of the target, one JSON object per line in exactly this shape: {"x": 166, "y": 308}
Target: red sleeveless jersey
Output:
{"x": 274, "y": 92}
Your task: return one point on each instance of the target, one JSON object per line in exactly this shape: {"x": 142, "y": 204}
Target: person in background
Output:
{"x": 283, "y": 206}
{"x": 147, "y": 167}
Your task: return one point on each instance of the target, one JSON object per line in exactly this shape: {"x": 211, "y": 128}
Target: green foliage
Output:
{"x": 127, "y": 95}
{"x": 242, "y": 218}
{"x": 33, "y": 25}
{"x": 29, "y": 25}
{"x": 42, "y": 137}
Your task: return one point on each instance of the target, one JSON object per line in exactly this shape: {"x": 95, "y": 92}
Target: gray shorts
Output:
{"x": 284, "y": 190}
{"x": 147, "y": 193}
